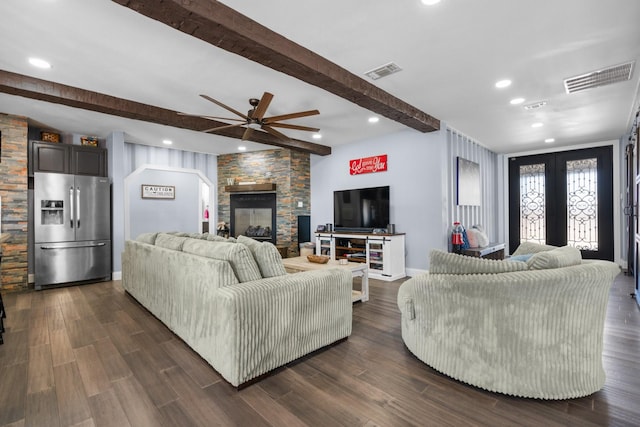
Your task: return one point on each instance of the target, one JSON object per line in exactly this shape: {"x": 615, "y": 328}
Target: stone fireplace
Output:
{"x": 283, "y": 173}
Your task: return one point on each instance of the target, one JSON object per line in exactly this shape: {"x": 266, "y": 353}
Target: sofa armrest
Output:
{"x": 267, "y": 323}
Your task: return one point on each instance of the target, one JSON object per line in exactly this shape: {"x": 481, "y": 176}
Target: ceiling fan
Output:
{"x": 255, "y": 120}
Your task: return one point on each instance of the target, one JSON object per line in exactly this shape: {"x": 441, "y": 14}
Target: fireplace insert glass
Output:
{"x": 254, "y": 215}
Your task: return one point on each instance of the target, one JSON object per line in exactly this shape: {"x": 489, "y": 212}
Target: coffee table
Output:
{"x": 358, "y": 269}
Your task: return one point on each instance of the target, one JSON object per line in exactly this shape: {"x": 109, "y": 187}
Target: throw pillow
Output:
{"x": 447, "y": 263}
{"x": 266, "y": 255}
{"x": 239, "y": 256}
{"x": 521, "y": 258}
{"x": 556, "y": 258}
{"x": 170, "y": 241}
{"x": 532, "y": 248}
{"x": 472, "y": 235}
{"x": 216, "y": 238}
{"x": 482, "y": 237}
{"x": 149, "y": 238}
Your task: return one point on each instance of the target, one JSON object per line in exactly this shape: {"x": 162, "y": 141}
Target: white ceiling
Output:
{"x": 451, "y": 55}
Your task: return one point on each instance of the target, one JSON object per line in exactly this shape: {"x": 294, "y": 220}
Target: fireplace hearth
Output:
{"x": 253, "y": 215}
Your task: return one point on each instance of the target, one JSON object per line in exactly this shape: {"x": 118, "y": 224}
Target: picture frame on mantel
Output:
{"x": 468, "y": 182}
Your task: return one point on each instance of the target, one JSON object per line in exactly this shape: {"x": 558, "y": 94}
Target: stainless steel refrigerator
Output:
{"x": 72, "y": 229}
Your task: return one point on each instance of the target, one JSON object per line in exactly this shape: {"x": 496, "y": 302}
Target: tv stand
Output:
{"x": 383, "y": 253}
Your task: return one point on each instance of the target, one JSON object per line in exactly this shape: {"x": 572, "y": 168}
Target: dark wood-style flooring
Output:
{"x": 91, "y": 356}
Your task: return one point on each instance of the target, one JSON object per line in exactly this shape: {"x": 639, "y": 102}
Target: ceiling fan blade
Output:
{"x": 247, "y": 134}
{"x": 223, "y": 127}
{"x": 238, "y": 113}
{"x": 297, "y": 127}
{"x": 212, "y": 117}
{"x": 275, "y": 133}
{"x": 291, "y": 116}
{"x": 262, "y": 106}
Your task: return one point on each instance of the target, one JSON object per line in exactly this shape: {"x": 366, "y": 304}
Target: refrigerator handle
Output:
{"x": 78, "y": 207}
{"x": 72, "y": 209}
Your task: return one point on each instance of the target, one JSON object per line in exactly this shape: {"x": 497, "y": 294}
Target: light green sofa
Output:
{"x": 529, "y": 329}
{"x": 214, "y": 296}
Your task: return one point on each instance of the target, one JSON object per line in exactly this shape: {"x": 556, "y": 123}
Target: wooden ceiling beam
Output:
{"x": 223, "y": 27}
{"x": 43, "y": 90}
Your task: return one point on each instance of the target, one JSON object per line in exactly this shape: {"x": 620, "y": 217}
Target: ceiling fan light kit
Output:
{"x": 255, "y": 120}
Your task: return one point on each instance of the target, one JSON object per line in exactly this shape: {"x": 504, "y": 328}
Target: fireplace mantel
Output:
{"x": 249, "y": 188}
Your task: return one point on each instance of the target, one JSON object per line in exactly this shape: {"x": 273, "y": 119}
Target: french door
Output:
{"x": 563, "y": 198}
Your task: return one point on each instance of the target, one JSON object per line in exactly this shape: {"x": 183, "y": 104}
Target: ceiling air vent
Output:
{"x": 383, "y": 71}
{"x": 534, "y": 105}
{"x": 606, "y": 76}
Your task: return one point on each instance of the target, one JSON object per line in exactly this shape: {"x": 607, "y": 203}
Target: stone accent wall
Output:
{"x": 291, "y": 172}
{"x": 13, "y": 190}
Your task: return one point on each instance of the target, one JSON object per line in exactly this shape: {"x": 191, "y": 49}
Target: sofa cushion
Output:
{"x": 447, "y": 263}
{"x": 266, "y": 255}
{"x": 149, "y": 238}
{"x": 239, "y": 256}
{"x": 564, "y": 256}
{"x": 526, "y": 248}
{"x": 216, "y": 238}
{"x": 169, "y": 241}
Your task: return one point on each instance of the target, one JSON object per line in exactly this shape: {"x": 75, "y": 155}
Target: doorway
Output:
{"x": 563, "y": 198}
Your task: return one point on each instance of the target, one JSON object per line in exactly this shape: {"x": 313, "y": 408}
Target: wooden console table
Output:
{"x": 492, "y": 251}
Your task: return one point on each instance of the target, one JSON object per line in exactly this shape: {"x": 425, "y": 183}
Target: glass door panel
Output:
{"x": 563, "y": 198}
{"x": 533, "y": 224}
{"x": 582, "y": 204}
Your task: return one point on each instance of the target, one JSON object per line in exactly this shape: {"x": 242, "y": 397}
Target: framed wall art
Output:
{"x": 158, "y": 191}
{"x": 468, "y": 182}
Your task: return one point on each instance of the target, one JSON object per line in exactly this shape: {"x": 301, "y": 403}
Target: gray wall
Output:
{"x": 421, "y": 176}
{"x": 124, "y": 158}
{"x": 417, "y": 185}
{"x": 150, "y": 215}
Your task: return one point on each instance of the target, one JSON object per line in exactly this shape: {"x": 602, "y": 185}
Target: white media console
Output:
{"x": 383, "y": 253}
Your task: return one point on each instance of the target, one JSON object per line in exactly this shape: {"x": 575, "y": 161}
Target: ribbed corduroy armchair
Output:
{"x": 530, "y": 329}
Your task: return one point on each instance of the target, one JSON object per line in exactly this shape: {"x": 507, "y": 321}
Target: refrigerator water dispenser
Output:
{"x": 51, "y": 212}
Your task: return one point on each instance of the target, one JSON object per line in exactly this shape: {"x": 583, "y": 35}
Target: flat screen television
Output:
{"x": 362, "y": 209}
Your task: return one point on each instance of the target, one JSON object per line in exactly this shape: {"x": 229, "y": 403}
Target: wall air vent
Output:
{"x": 383, "y": 71}
{"x": 534, "y": 105}
{"x": 606, "y": 76}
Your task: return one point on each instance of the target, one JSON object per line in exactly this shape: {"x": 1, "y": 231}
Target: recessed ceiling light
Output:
{"x": 374, "y": 119}
{"x": 516, "y": 101}
{"x": 242, "y": 148}
{"x": 430, "y": 2}
{"x": 500, "y": 84}
{"x": 167, "y": 141}
{"x": 550, "y": 140}
{"x": 537, "y": 125}
{"x": 40, "y": 63}
{"x": 317, "y": 136}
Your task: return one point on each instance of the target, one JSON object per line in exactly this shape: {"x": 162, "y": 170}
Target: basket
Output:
{"x": 89, "y": 140}
{"x": 49, "y": 137}
{"x": 318, "y": 259}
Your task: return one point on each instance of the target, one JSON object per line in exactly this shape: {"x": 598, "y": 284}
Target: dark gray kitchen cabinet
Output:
{"x": 67, "y": 158}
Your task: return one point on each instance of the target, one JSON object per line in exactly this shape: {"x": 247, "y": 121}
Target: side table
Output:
{"x": 491, "y": 251}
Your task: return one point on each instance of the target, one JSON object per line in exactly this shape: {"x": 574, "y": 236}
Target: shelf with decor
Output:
{"x": 382, "y": 253}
